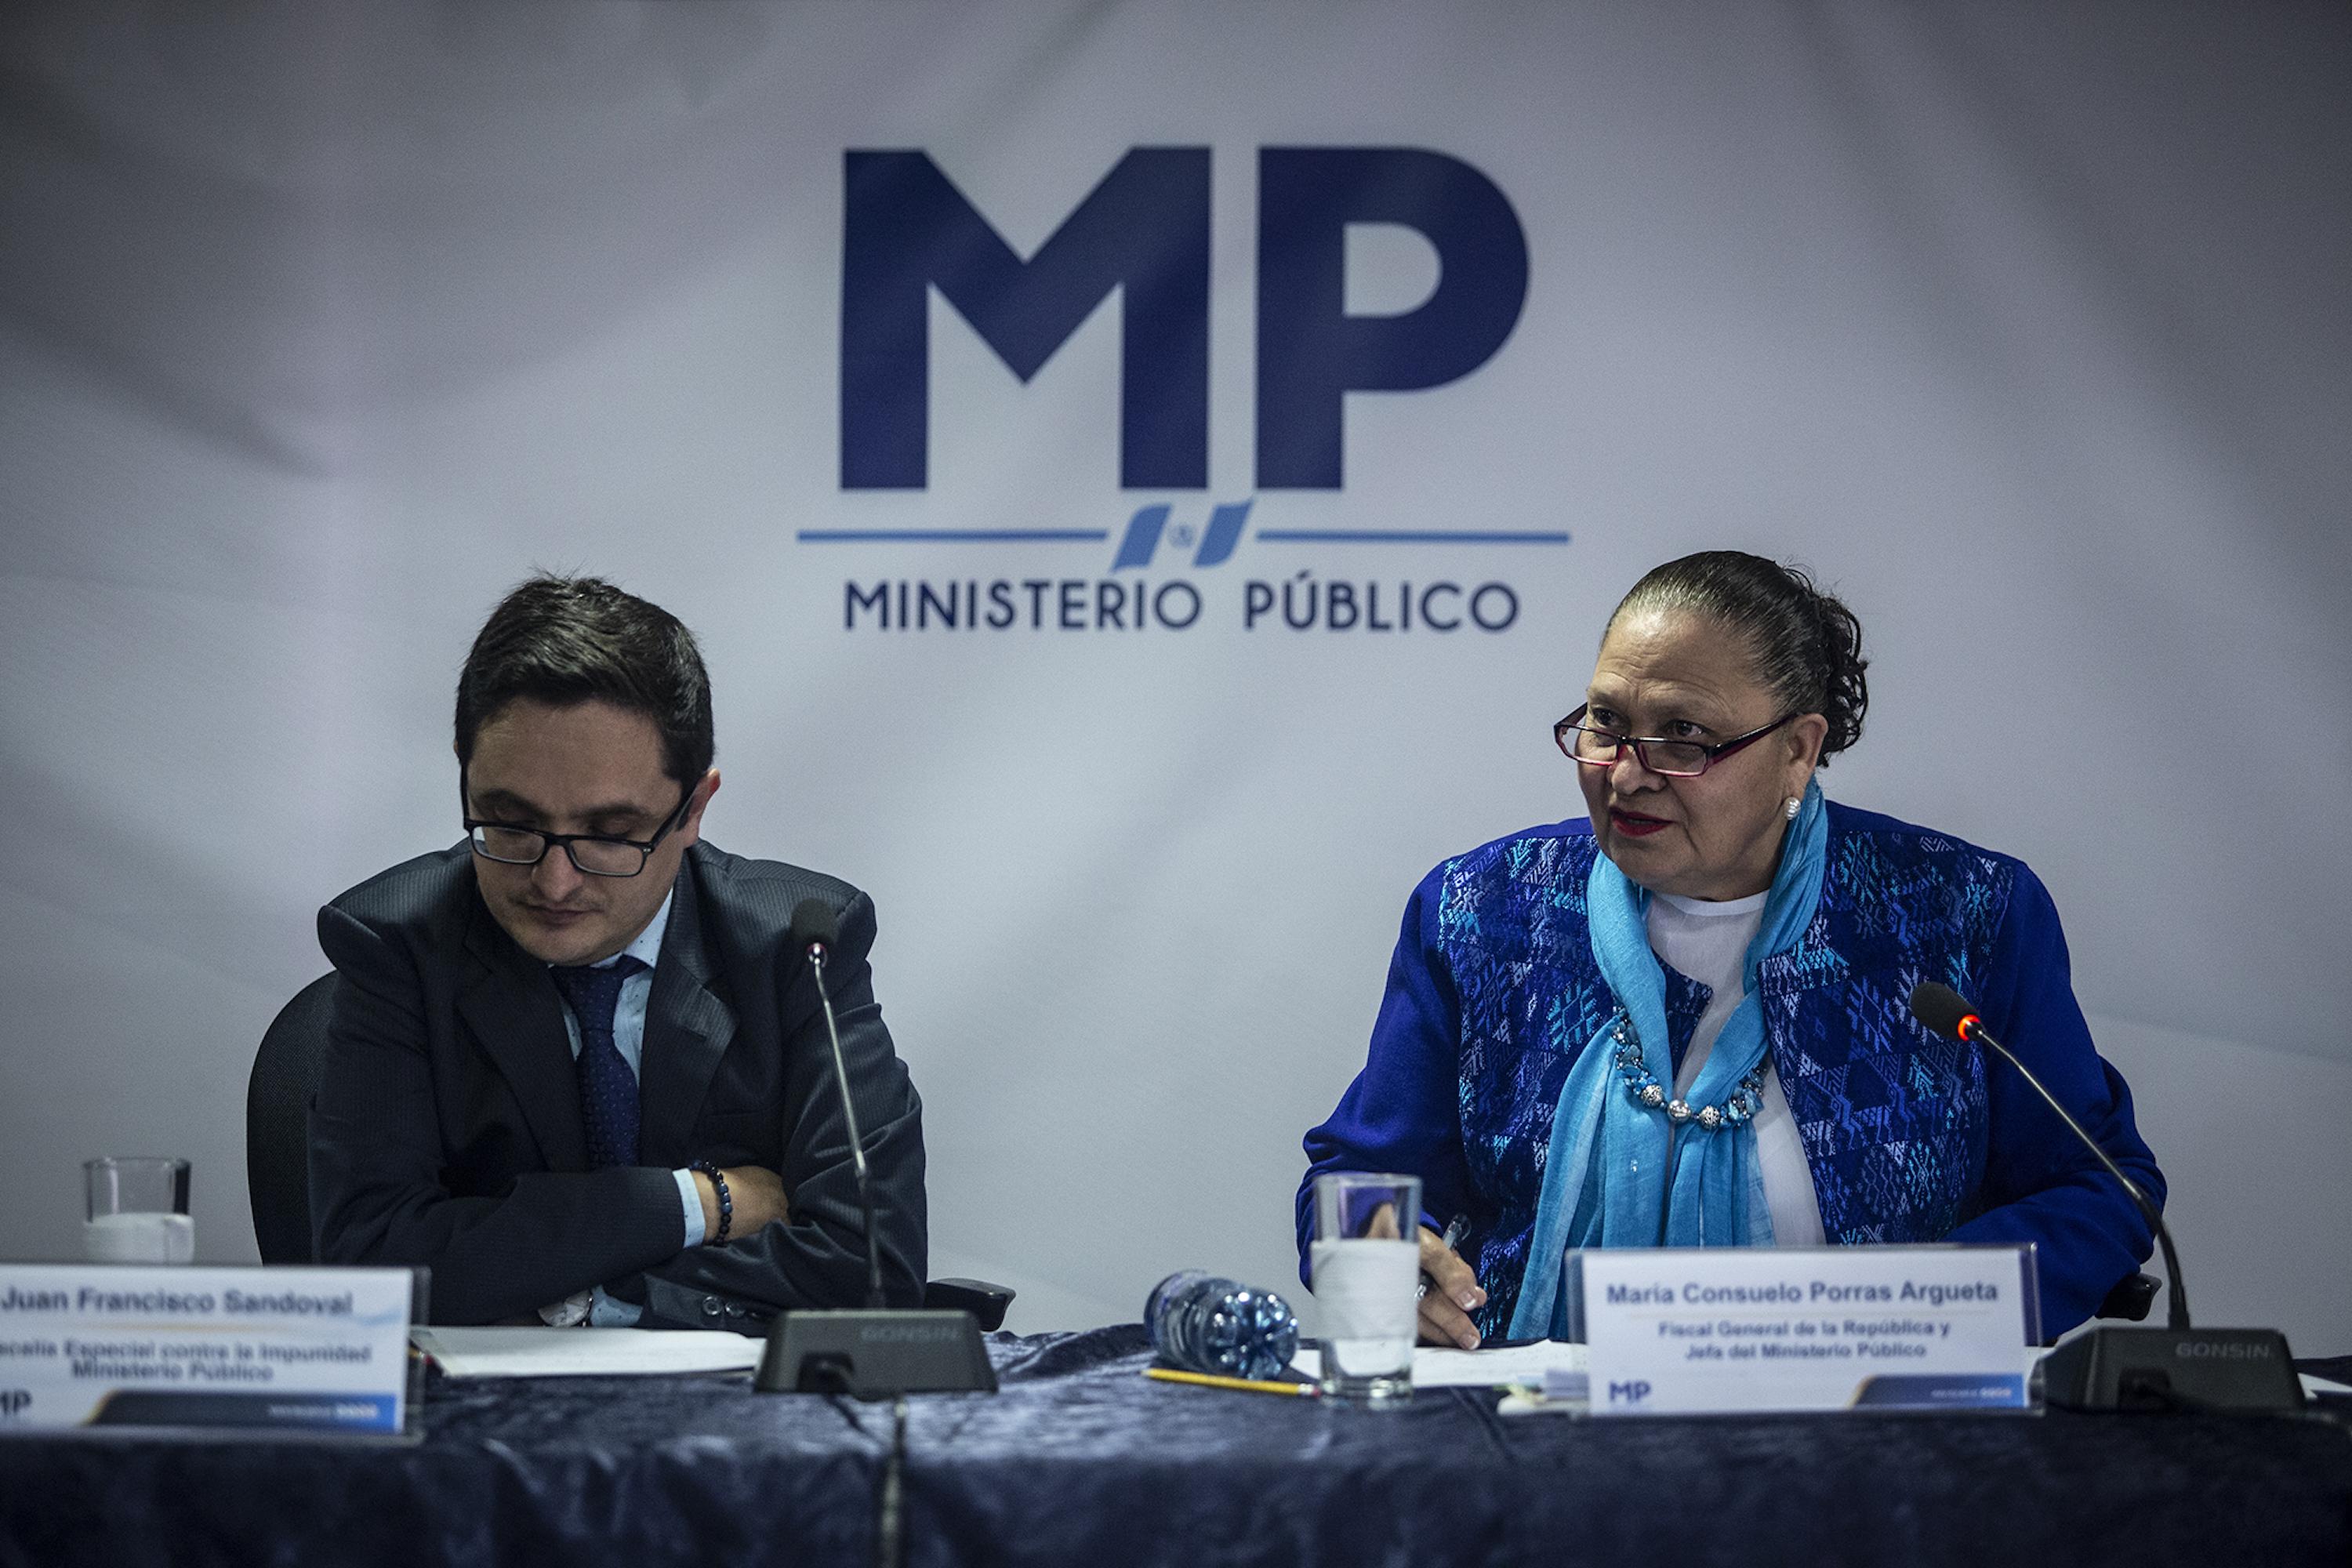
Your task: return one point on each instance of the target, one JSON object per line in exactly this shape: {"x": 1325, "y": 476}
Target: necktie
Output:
{"x": 608, "y": 1089}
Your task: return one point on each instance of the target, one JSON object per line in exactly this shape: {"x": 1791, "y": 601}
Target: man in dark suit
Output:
{"x": 575, "y": 1066}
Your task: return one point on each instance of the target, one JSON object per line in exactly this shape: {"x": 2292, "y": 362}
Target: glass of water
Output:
{"x": 1365, "y": 1260}
{"x": 138, "y": 1211}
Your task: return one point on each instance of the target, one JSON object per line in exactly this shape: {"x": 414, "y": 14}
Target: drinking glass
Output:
{"x": 138, "y": 1211}
{"x": 1365, "y": 1262}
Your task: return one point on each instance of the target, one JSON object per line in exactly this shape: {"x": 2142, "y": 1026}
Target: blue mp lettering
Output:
{"x": 1310, "y": 352}
{"x": 1144, "y": 230}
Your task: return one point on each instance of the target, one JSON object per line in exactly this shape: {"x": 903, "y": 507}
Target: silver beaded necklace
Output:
{"x": 1739, "y": 1109}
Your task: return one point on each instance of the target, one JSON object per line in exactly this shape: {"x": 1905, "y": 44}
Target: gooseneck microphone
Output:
{"x": 2113, "y": 1368}
{"x": 815, "y": 930}
{"x": 1947, "y": 1012}
{"x": 876, "y": 1352}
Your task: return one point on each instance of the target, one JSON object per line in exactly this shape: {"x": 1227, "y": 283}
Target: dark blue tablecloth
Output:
{"x": 1080, "y": 1460}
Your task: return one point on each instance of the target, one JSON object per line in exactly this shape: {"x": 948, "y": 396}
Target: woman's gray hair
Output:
{"x": 1804, "y": 643}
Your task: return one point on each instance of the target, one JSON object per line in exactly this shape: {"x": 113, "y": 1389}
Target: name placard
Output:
{"x": 1698, "y": 1330}
{"x": 120, "y": 1349}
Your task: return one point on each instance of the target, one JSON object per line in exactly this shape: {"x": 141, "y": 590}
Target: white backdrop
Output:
{"x": 322, "y": 325}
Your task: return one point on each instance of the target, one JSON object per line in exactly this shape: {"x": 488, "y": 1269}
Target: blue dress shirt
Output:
{"x": 629, "y": 1038}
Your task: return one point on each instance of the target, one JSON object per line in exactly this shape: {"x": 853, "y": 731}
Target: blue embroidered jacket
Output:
{"x": 1493, "y": 992}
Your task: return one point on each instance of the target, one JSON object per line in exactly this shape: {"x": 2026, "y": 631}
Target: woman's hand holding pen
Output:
{"x": 1454, "y": 1293}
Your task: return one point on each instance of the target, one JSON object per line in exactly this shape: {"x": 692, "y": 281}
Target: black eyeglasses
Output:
{"x": 1592, "y": 748}
{"x": 593, "y": 854}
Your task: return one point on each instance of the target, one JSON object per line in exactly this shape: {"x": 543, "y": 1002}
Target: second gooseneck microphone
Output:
{"x": 1947, "y": 1012}
{"x": 2109, "y": 1367}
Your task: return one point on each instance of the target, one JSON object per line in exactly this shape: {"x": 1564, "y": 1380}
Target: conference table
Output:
{"x": 1079, "y": 1459}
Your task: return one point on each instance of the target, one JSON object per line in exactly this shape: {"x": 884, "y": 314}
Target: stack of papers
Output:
{"x": 1573, "y": 1385}
{"x": 1507, "y": 1367}
{"x": 584, "y": 1352}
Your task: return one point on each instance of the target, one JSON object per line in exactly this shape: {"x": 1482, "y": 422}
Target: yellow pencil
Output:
{"x": 1247, "y": 1384}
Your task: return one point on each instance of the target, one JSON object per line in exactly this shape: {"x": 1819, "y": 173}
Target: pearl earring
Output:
{"x": 1790, "y": 810}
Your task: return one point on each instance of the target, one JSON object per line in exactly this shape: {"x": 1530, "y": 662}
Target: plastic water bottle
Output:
{"x": 1204, "y": 1323}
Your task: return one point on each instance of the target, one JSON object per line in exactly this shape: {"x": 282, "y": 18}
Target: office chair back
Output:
{"x": 276, "y": 1124}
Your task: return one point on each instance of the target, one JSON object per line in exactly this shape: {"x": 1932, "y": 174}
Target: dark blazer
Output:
{"x": 447, "y": 1129}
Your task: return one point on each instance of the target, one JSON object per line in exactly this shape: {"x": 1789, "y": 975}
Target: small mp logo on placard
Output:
{"x": 1632, "y": 1392}
{"x": 14, "y": 1403}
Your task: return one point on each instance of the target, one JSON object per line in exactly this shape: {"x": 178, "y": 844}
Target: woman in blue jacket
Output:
{"x": 1685, "y": 1020}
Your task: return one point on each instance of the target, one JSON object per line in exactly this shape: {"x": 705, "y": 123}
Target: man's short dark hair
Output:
{"x": 562, "y": 641}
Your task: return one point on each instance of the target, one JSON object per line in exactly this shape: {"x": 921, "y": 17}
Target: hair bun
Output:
{"x": 1846, "y": 693}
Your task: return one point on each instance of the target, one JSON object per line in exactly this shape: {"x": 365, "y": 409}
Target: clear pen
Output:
{"x": 1455, "y": 1230}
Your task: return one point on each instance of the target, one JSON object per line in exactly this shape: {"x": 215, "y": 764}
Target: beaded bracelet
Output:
{"x": 726, "y": 1203}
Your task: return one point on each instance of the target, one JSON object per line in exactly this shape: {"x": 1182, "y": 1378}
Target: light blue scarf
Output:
{"x": 1606, "y": 1175}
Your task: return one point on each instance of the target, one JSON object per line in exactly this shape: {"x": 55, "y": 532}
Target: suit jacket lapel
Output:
{"x": 513, "y": 1010}
{"x": 688, "y": 1029}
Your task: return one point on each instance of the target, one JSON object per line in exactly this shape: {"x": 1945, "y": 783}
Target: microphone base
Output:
{"x": 2236, "y": 1370}
{"x": 875, "y": 1354}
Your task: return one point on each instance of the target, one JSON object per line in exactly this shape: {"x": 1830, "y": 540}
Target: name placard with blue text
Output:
{"x": 1698, "y": 1330}
{"x": 119, "y": 1349}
